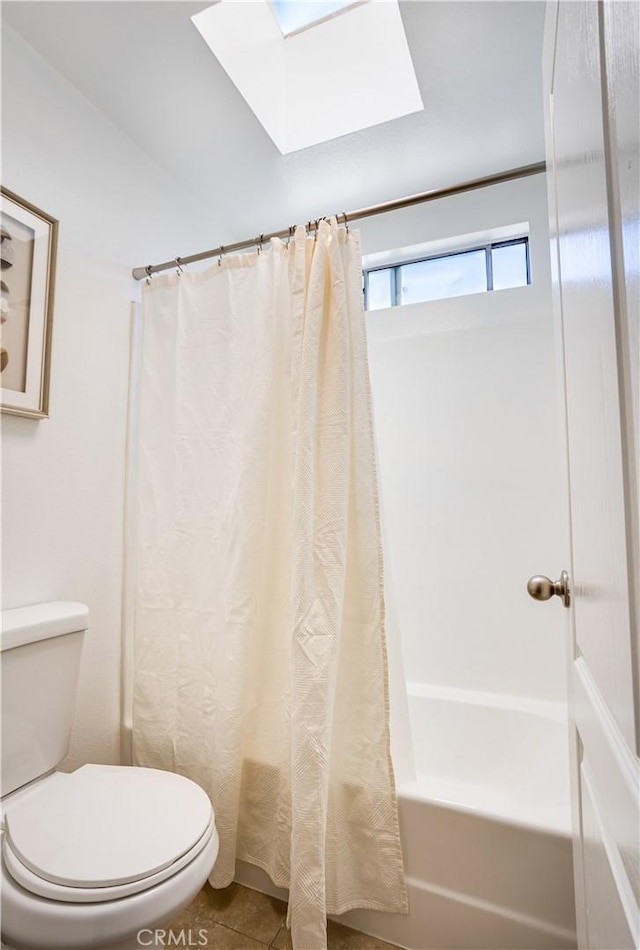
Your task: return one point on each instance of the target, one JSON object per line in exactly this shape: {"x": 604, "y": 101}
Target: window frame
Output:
{"x": 488, "y": 248}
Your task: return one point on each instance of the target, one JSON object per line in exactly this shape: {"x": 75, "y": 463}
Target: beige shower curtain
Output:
{"x": 260, "y": 665}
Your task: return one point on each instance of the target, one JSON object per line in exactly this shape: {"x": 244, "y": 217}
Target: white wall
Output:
{"x": 63, "y": 477}
{"x": 469, "y": 452}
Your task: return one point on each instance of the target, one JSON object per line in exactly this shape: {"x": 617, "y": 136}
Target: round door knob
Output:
{"x": 541, "y": 588}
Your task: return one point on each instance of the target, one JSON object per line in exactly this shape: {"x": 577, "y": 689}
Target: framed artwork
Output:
{"x": 27, "y": 259}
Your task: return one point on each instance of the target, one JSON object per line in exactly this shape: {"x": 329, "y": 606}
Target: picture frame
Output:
{"x": 28, "y": 246}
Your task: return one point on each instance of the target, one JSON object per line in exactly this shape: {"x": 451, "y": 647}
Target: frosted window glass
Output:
{"x": 509, "y": 266}
{"x": 379, "y": 289}
{"x": 435, "y": 279}
{"x": 295, "y": 14}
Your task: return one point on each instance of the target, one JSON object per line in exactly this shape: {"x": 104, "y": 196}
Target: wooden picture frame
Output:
{"x": 28, "y": 248}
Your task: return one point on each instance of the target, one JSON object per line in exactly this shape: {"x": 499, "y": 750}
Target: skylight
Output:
{"x": 294, "y": 15}
{"x": 349, "y": 72}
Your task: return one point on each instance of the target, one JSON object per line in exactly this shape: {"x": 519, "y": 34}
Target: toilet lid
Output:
{"x": 106, "y": 825}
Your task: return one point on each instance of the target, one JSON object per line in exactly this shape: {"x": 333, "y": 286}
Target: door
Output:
{"x": 591, "y": 88}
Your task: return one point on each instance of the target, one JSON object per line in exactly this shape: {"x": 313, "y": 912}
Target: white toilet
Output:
{"x": 92, "y": 857}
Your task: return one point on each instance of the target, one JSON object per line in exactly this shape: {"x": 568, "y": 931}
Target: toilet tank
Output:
{"x": 40, "y": 649}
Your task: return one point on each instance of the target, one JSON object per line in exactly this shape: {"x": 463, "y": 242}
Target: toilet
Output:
{"x": 93, "y": 857}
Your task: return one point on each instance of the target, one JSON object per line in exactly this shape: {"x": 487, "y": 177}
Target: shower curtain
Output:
{"x": 260, "y": 665}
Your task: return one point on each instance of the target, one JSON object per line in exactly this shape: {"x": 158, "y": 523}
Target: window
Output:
{"x": 497, "y": 266}
{"x": 294, "y": 15}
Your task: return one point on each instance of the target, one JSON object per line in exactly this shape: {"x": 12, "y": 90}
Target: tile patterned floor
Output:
{"x": 238, "y": 918}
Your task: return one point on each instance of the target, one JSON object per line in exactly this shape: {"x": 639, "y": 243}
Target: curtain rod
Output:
{"x": 344, "y": 217}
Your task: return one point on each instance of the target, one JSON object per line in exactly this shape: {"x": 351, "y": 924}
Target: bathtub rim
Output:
{"x": 555, "y": 820}
{"x": 555, "y": 710}
{"x": 410, "y": 789}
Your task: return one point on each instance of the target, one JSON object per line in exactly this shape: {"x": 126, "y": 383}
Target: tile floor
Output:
{"x": 238, "y": 918}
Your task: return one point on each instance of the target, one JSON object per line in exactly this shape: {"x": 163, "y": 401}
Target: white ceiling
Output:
{"x": 144, "y": 65}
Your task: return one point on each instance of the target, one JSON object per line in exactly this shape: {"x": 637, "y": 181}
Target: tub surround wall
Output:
{"x": 63, "y": 476}
{"x": 469, "y": 451}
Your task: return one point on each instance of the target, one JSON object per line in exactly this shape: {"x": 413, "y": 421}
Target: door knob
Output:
{"x": 541, "y": 588}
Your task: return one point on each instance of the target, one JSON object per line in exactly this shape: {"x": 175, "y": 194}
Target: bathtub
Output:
{"x": 485, "y": 826}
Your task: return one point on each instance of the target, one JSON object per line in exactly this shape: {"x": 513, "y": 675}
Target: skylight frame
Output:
{"x": 360, "y": 85}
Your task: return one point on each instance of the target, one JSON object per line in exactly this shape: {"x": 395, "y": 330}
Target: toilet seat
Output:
{"x": 104, "y": 832}
{"x": 80, "y": 895}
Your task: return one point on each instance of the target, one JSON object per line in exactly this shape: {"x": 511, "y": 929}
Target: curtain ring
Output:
{"x": 291, "y": 231}
{"x": 317, "y": 225}
{"x": 345, "y": 221}
{"x": 178, "y": 261}
{"x": 259, "y": 241}
{"x": 149, "y": 275}
{"x": 220, "y": 255}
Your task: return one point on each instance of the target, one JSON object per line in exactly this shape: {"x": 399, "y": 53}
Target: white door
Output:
{"x": 591, "y": 79}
